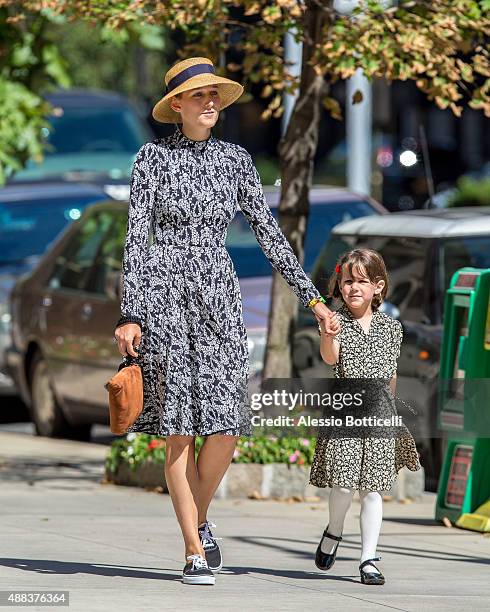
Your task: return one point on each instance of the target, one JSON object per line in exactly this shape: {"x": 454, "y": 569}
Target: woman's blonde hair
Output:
{"x": 365, "y": 260}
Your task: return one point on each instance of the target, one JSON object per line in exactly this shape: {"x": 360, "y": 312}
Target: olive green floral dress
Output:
{"x": 365, "y": 462}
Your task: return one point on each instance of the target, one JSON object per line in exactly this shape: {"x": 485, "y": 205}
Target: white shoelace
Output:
{"x": 206, "y": 537}
{"x": 198, "y": 562}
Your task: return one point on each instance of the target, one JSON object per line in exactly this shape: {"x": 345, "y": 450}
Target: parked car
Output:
{"x": 422, "y": 249}
{"x": 93, "y": 137}
{"x": 31, "y": 217}
{"x": 64, "y": 312}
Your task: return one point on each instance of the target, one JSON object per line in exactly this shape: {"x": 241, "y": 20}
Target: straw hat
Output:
{"x": 188, "y": 74}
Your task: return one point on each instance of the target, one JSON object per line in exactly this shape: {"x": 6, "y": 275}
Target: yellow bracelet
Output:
{"x": 314, "y": 301}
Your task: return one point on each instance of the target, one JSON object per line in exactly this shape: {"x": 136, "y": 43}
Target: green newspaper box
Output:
{"x": 463, "y": 494}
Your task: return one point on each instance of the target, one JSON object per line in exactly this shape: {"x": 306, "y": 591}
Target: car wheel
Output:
{"x": 46, "y": 413}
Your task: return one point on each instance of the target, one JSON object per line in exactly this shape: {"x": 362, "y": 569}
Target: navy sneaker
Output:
{"x": 211, "y": 548}
{"x": 196, "y": 571}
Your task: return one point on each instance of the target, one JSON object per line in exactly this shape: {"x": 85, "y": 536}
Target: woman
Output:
{"x": 181, "y": 297}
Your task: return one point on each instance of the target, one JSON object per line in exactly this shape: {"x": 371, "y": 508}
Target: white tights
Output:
{"x": 370, "y": 520}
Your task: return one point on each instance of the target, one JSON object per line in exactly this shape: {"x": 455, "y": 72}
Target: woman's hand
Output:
{"x": 128, "y": 336}
{"x": 324, "y": 316}
{"x": 321, "y": 311}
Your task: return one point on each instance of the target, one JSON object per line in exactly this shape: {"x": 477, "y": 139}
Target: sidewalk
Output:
{"x": 116, "y": 547}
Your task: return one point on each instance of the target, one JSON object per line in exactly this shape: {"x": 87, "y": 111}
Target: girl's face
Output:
{"x": 198, "y": 107}
{"x": 356, "y": 289}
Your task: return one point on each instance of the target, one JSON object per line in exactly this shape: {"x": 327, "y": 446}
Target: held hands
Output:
{"x": 330, "y": 328}
{"x": 328, "y": 320}
{"x": 128, "y": 336}
{"x": 321, "y": 311}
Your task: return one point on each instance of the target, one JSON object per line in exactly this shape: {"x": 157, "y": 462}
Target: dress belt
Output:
{"x": 189, "y": 245}
{"x": 181, "y": 236}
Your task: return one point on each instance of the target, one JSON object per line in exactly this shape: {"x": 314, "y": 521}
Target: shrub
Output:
{"x": 135, "y": 449}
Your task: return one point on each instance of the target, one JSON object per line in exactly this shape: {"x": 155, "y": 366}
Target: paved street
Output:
{"x": 115, "y": 547}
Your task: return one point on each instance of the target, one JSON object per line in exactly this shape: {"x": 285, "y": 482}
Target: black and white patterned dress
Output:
{"x": 183, "y": 289}
{"x": 365, "y": 462}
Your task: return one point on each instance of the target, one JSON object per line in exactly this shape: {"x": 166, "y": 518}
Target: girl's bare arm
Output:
{"x": 329, "y": 349}
{"x": 329, "y": 344}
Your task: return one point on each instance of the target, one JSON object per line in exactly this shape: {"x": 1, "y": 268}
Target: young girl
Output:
{"x": 360, "y": 342}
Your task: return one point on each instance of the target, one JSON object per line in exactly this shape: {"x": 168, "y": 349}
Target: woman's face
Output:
{"x": 198, "y": 107}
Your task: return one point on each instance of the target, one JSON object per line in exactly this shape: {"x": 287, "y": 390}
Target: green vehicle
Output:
{"x": 464, "y": 402}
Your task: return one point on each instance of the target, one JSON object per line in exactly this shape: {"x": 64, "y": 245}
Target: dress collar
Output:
{"x": 182, "y": 141}
{"x": 348, "y": 317}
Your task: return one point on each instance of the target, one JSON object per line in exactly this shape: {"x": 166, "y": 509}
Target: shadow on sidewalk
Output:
{"x": 30, "y": 471}
{"x": 52, "y": 568}
{"x": 280, "y": 545}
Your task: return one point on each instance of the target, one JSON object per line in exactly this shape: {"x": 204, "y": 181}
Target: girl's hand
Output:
{"x": 330, "y": 327}
{"x": 128, "y": 336}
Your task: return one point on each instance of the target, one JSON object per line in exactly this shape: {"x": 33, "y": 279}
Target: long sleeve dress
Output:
{"x": 183, "y": 289}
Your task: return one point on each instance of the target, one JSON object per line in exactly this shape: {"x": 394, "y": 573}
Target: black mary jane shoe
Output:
{"x": 371, "y": 577}
{"x": 324, "y": 561}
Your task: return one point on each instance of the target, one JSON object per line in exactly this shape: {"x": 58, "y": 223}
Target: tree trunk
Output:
{"x": 296, "y": 154}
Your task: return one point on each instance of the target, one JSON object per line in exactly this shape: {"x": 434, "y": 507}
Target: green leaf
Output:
{"x": 56, "y": 67}
{"x": 22, "y": 55}
{"x": 22, "y": 117}
{"x": 152, "y": 38}
{"x": 372, "y": 65}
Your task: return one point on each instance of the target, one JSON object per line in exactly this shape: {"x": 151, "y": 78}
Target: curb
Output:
{"x": 262, "y": 481}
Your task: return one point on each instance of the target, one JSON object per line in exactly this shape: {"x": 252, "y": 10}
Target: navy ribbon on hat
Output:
{"x": 187, "y": 73}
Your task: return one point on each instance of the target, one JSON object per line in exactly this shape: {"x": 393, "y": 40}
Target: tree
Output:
{"x": 28, "y": 63}
{"x": 438, "y": 44}
{"x": 38, "y": 40}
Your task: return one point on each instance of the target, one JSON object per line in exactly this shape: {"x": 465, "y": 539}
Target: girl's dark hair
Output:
{"x": 373, "y": 265}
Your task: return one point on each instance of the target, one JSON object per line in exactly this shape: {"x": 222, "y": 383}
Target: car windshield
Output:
{"x": 28, "y": 227}
{"x": 405, "y": 259}
{"x": 247, "y": 256}
{"x": 89, "y": 140}
{"x": 472, "y": 251}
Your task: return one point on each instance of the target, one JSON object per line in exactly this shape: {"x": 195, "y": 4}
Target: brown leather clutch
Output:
{"x": 125, "y": 395}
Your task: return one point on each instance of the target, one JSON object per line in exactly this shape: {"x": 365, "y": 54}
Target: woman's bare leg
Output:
{"x": 183, "y": 486}
{"x": 213, "y": 460}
